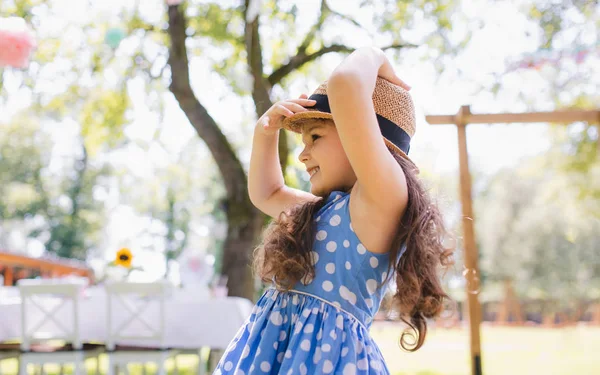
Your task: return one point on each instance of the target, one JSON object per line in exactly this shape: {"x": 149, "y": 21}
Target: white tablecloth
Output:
{"x": 192, "y": 322}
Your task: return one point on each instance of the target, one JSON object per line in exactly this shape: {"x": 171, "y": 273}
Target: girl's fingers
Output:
{"x": 284, "y": 111}
{"x": 303, "y": 96}
{"x": 304, "y": 102}
{"x": 294, "y": 107}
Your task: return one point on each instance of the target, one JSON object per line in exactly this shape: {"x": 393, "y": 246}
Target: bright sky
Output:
{"x": 466, "y": 81}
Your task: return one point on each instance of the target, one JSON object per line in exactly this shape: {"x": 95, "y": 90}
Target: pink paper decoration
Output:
{"x": 16, "y": 42}
{"x": 173, "y": 2}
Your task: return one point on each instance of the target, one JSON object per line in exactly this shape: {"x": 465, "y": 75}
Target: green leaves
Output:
{"x": 102, "y": 119}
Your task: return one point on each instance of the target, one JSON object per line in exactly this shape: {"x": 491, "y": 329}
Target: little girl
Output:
{"x": 330, "y": 253}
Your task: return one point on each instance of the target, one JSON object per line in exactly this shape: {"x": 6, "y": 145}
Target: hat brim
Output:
{"x": 293, "y": 123}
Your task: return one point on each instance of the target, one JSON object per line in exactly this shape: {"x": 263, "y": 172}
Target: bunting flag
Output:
{"x": 545, "y": 56}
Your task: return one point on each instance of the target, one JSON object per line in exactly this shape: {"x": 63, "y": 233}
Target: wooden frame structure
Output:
{"x": 461, "y": 120}
{"x": 16, "y": 266}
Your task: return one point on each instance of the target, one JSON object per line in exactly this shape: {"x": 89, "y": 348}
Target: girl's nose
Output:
{"x": 304, "y": 155}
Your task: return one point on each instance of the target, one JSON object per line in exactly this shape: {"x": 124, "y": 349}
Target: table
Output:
{"x": 191, "y": 322}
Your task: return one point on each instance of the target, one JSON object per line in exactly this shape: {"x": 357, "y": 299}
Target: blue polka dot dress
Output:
{"x": 322, "y": 325}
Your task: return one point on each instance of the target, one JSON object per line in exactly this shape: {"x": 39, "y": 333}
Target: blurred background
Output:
{"x": 119, "y": 163}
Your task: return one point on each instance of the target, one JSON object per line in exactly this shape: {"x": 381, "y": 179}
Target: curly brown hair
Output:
{"x": 284, "y": 257}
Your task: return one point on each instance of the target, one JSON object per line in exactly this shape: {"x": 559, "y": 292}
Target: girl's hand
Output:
{"x": 386, "y": 70}
{"x": 271, "y": 121}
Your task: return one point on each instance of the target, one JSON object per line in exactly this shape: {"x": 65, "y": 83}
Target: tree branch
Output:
{"x": 298, "y": 61}
{"x": 229, "y": 165}
{"x": 310, "y": 36}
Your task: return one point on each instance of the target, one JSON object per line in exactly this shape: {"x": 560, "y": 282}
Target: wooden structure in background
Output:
{"x": 17, "y": 266}
{"x": 463, "y": 118}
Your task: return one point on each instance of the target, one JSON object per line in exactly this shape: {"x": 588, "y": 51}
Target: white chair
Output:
{"x": 46, "y": 316}
{"x": 131, "y": 320}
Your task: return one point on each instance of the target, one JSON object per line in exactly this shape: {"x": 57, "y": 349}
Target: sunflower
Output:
{"x": 124, "y": 258}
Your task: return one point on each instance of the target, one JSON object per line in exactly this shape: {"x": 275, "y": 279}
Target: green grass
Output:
{"x": 506, "y": 351}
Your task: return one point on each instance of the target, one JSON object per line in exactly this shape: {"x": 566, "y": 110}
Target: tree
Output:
{"x": 56, "y": 208}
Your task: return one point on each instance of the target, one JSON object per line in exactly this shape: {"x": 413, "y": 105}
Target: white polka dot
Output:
{"x": 376, "y": 365}
{"x": 309, "y": 328}
{"x": 295, "y": 300}
{"x": 362, "y": 364}
{"x": 276, "y": 318}
{"x": 333, "y": 335}
{"x": 284, "y": 303}
{"x": 343, "y": 336}
{"x": 280, "y": 357}
{"x": 265, "y": 366}
{"x": 327, "y": 366}
{"x": 346, "y": 243}
{"x": 374, "y": 262}
{"x": 288, "y": 354}
{"x": 383, "y": 276}
{"x": 339, "y": 322}
{"x": 326, "y": 348}
{"x": 350, "y": 369}
{"x": 298, "y": 328}
{"x": 348, "y": 295}
{"x": 240, "y": 372}
{"x": 335, "y": 220}
{"x": 246, "y": 351}
{"x": 252, "y": 369}
{"x": 359, "y": 347}
{"x": 344, "y": 351}
{"x": 218, "y": 372}
{"x": 321, "y": 235}
{"x": 361, "y": 248}
{"x": 285, "y": 319}
{"x": 315, "y": 257}
{"x": 330, "y": 268}
{"x": 290, "y": 372}
{"x": 320, "y": 334}
{"x": 275, "y": 345}
{"x": 371, "y": 286}
{"x": 331, "y": 246}
{"x": 327, "y": 286}
{"x": 282, "y": 335}
{"x": 348, "y": 265}
{"x": 336, "y": 197}
{"x": 303, "y": 369}
{"x": 257, "y": 352}
{"x": 369, "y": 302}
{"x": 306, "y": 313}
{"x": 319, "y": 218}
{"x": 337, "y": 304}
{"x": 228, "y": 366}
{"x": 305, "y": 345}
{"x": 315, "y": 310}
{"x": 369, "y": 350}
{"x": 352, "y": 229}
{"x": 340, "y": 205}
{"x": 317, "y": 356}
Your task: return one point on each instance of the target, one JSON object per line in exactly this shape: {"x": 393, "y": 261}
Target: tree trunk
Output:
{"x": 244, "y": 221}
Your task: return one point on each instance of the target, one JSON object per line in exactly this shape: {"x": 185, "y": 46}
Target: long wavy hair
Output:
{"x": 284, "y": 256}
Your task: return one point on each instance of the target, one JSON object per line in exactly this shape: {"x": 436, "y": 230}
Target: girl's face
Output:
{"x": 325, "y": 159}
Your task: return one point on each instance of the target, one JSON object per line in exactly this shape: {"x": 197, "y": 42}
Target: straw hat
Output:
{"x": 394, "y": 108}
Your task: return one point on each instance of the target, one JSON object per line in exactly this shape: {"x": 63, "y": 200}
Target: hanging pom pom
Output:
{"x": 113, "y": 37}
{"x": 16, "y": 42}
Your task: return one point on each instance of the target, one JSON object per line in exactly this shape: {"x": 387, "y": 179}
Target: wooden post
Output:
{"x": 8, "y": 276}
{"x": 472, "y": 270}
